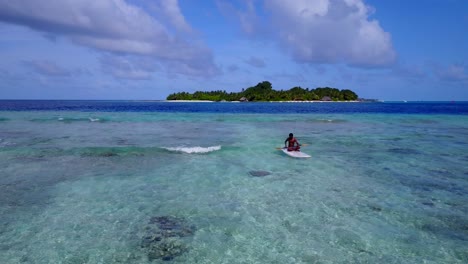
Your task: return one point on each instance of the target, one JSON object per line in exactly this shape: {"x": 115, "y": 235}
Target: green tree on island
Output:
{"x": 264, "y": 92}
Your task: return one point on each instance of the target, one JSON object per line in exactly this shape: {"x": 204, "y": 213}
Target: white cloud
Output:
{"x": 249, "y": 19}
{"x": 250, "y": 23}
{"x": 113, "y": 26}
{"x": 325, "y": 31}
{"x": 303, "y": 8}
{"x": 172, "y": 11}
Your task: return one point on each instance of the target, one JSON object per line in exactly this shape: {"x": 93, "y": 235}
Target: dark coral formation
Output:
{"x": 166, "y": 237}
{"x": 259, "y": 173}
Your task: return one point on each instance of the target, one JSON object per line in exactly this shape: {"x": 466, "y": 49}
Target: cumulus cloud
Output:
{"x": 248, "y": 19}
{"x": 326, "y": 31}
{"x": 255, "y": 62}
{"x": 172, "y": 11}
{"x": 114, "y": 26}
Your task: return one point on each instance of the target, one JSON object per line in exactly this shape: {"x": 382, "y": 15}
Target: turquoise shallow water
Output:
{"x": 83, "y": 187}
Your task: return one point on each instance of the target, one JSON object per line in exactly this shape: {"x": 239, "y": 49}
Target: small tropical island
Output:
{"x": 263, "y": 92}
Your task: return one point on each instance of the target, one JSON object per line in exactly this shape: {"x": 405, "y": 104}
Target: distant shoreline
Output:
{"x": 207, "y": 101}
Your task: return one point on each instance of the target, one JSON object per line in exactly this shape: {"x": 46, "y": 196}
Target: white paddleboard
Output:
{"x": 295, "y": 154}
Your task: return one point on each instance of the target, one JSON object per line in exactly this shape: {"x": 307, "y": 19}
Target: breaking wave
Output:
{"x": 195, "y": 149}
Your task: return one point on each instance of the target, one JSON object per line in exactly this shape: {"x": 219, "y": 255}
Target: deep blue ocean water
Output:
{"x": 223, "y": 107}
{"x": 166, "y": 182}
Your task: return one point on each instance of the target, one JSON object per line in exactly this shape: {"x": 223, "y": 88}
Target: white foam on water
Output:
{"x": 191, "y": 150}
{"x": 93, "y": 119}
{"x": 4, "y": 143}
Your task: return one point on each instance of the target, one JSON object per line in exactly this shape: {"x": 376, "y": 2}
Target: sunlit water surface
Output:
{"x": 184, "y": 187}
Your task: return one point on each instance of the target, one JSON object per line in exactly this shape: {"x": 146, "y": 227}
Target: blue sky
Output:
{"x": 147, "y": 49}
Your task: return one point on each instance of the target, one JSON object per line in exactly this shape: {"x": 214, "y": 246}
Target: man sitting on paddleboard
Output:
{"x": 293, "y": 144}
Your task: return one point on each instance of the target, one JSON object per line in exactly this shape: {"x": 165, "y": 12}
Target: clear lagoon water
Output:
{"x": 161, "y": 182}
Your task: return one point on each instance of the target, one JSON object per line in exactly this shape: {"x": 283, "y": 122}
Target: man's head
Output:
{"x": 291, "y": 135}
